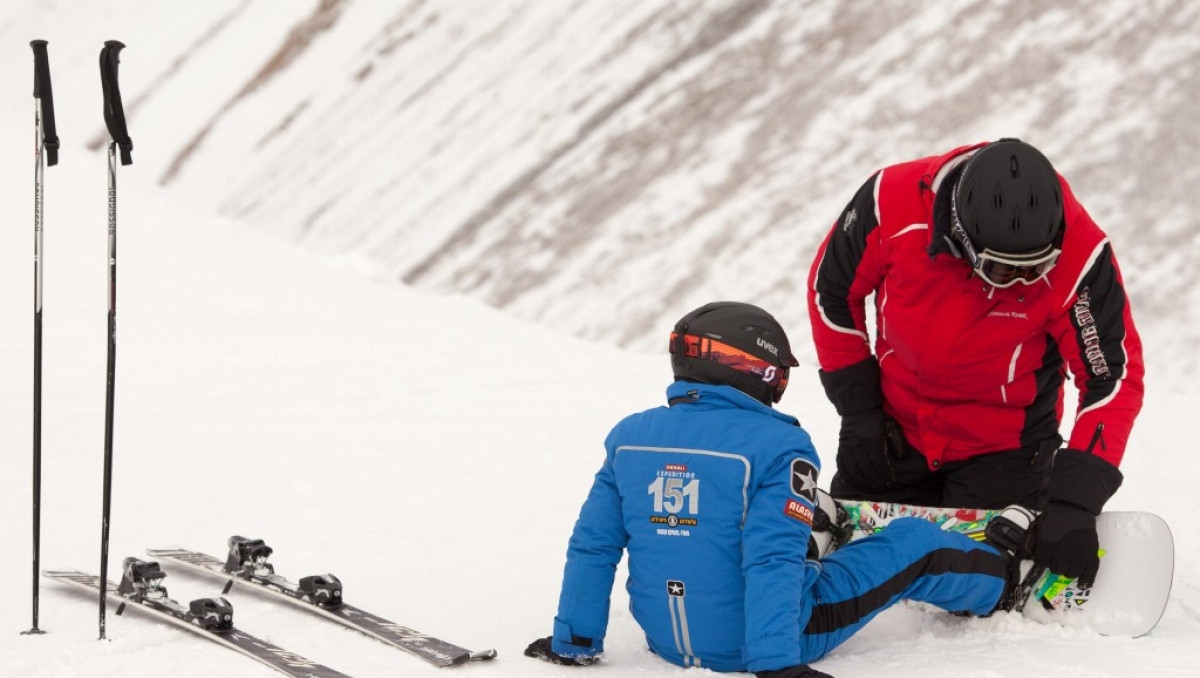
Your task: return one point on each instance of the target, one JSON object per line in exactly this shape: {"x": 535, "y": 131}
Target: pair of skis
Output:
{"x": 247, "y": 566}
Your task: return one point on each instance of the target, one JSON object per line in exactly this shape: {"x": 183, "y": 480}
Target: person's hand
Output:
{"x": 1067, "y": 543}
{"x": 1065, "y": 540}
{"x": 867, "y": 433}
{"x": 541, "y": 649}
{"x": 800, "y": 671}
{"x": 862, "y": 456}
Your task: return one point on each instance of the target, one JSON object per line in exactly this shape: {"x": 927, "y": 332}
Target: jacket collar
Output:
{"x": 722, "y": 397}
{"x": 945, "y": 171}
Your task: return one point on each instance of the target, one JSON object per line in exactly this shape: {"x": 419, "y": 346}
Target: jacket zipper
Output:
{"x": 1097, "y": 437}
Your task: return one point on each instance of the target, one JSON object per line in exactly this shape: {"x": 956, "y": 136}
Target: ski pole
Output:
{"x": 45, "y": 140}
{"x": 114, "y": 119}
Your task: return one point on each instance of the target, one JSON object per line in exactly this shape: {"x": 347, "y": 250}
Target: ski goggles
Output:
{"x": 707, "y": 348}
{"x": 1005, "y": 270}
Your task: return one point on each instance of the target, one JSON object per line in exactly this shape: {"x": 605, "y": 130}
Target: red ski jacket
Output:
{"x": 968, "y": 368}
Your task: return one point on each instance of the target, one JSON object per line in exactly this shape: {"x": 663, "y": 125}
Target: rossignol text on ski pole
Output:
{"x": 114, "y": 119}
{"x": 45, "y": 143}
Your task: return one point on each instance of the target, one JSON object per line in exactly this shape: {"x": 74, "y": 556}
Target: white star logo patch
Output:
{"x": 804, "y": 480}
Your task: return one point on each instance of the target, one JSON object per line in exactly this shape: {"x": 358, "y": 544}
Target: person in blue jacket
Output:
{"x": 714, "y": 497}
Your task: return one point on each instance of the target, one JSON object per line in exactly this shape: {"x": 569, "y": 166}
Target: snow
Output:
{"x": 429, "y": 450}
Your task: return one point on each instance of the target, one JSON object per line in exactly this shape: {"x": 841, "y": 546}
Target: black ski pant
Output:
{"x": 993, "y": 480}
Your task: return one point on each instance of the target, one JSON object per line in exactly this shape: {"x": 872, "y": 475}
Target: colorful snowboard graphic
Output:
{"x": 1131, "y": 590}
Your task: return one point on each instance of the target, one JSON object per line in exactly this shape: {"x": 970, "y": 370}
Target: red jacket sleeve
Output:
{"x": 1103, "y": 351}
{"x": 846, "y": 270}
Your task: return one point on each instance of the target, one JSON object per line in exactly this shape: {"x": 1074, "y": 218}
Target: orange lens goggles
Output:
{"x": 705, "y": 348}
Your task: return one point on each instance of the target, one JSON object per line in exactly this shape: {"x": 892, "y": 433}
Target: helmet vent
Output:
{"x": 1019, "y": 202}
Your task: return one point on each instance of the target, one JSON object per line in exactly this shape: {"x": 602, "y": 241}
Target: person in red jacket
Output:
{"x": 990, "y": 283}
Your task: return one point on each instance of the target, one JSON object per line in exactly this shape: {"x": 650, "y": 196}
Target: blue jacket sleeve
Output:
{"x": 595, "y": 548}
{"x": 774, "y": 546}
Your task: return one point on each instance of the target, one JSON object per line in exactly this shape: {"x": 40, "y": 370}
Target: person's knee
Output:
{"x": 909, "y": 526}
{"x": 921, "y": 536}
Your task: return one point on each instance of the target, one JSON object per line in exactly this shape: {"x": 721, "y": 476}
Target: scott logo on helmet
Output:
{"x": 767, "y": 345}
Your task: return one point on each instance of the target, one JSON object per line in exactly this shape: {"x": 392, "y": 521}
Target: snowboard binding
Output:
{"x": 1009, "y": 532}
{"x": 827, "y": 527}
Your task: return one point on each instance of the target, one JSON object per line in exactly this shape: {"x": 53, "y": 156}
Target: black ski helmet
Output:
{"x": 1008, "y": 200}
{"x": 728, "y": 342}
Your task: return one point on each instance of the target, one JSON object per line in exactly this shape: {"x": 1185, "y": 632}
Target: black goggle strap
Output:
{"x": 678, "y": 343}
{"x": 959, "y": 233}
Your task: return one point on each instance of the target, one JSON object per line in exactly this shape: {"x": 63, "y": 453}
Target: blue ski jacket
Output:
{"x": 713, "y": 497}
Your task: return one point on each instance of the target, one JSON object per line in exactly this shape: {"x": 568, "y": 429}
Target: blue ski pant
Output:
{"x": 912, "y": 559}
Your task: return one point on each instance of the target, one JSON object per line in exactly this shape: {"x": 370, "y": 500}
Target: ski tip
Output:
{"x": 482, "y": 655}
{"x": 468, "y": 657}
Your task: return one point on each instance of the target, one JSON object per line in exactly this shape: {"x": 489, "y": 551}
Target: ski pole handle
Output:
{"x": 45, "y": 96}
{"x": 114, "y": 111}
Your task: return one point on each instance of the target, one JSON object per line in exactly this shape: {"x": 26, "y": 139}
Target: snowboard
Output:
{"x": 1137, "y": 563}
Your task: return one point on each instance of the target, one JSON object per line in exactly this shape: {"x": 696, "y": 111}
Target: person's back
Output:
{"x": 715, "y": 496}
{"x": 688, "y": 475}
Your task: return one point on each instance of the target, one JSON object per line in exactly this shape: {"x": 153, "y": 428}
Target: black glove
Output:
{"x": 1067, "y": 543}
{"x": 862, "y": 455}
{"x": 801, "y": 671}
{"x": 541, "y": 649}
{"x": 863, "y": 441}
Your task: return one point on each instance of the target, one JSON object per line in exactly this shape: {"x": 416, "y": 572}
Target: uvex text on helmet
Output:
{"x": 736, "y": 344}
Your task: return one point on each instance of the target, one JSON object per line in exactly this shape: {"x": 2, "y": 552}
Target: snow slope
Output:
{"x": 426, "y": 448}
{"x": 429, "y": 450}
{"x": 594, "y": 164}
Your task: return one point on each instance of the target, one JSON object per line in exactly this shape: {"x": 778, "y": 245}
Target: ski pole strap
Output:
{"x": 45, "y": 94}
{"x": 114, "y": 112}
